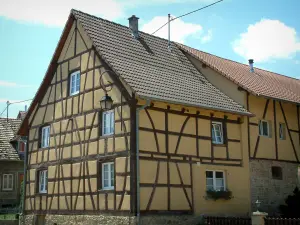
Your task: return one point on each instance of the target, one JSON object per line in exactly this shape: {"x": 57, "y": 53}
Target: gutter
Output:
{"x": 137, "y": 159}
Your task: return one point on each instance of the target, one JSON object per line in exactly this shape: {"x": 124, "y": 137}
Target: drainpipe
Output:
{"x": 24, "y": 178}
{"x": 137, "y": 159}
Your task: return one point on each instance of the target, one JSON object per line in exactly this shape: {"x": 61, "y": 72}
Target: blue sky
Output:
{"x": 267, "y": 31}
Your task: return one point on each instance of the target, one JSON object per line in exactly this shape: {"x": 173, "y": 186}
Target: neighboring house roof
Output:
{"x": 145, "y": 64}
{"x": 8, "y": 129}
{"x": 260, "y": 82}
{"x": 21, "y": 115}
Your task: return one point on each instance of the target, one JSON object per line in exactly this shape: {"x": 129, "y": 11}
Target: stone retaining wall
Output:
{"x": 271, "y": 192}
{"x": 113, "y": 220}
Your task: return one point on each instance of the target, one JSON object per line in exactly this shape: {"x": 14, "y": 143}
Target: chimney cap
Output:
{"x": 133, "y": 17}
{"x": 251, "y": 61}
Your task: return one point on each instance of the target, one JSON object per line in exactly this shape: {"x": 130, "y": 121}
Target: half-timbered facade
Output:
{"x": 168, "y": 146}
{"x": 274, "y": 131}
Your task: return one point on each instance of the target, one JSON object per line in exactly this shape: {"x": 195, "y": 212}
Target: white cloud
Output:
{"x": 12, "y": 84}
{"x": 206, "y": 38}
{"x": 179, "y": 29}
{"x": 56, "y": 12}
{"x": 267, "y": 40}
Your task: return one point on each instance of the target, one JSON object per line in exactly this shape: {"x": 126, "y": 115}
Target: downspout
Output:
{"x": 137, "y": 159}
{"x": 24, "y": 178}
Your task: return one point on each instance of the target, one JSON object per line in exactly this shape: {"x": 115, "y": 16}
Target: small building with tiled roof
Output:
{"x": 124, "y": 126}
{"x": 11, "y": 162}
{"x": 274, "y": 131}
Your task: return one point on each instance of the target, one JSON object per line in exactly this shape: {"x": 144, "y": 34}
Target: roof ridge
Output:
{"x": 118, "y": 24}
{"x": 238, "y": 62}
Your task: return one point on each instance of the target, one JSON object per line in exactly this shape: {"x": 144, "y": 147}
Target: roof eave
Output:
{"x": 24, "y": 124}
{"x": 196, "y": 106}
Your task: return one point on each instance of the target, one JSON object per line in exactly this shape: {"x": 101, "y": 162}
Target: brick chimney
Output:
{"x": 134, "y": 26}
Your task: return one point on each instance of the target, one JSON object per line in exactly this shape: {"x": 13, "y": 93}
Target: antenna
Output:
{"x": 169, "y": 31}
{"x": 7, "y": 104}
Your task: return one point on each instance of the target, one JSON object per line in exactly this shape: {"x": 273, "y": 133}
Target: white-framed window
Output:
{"x": 7, "y": 182}
{"x": 45, "y": 137}
{"x": 282, "y": 131}
{"x": 74, "y": 83}
{"x": 43, "y": 181}
{"x": 217, "y": 133}
{"x": 108, "y": 176}
{"x": 108, "y": 122}
{"x": 264, "y": 129}
{"x": 215, "y": 180}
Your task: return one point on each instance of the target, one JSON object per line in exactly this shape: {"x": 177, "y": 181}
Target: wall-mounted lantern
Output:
{"x": 106, "y": 101}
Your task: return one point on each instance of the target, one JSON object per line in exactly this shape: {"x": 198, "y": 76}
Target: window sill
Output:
{"x": 41, "y": 193}
{"x": 43, "y": 148}
{"x": 265, "y": 136}
{"x": 7, "y": 190}
{"x": 106, "y": 136}
{"x": 220, "y": 145}
{"x": 106, "y": 190}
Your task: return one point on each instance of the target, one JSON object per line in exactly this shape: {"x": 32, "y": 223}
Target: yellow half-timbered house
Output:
{"x": 125, "y": 129}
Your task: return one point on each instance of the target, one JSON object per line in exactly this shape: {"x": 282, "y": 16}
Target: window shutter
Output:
{"x": 40, "y": 137}
{"x": 100, "y": 113}
{"x": 259, "y": 128}
{"x": 270, "y": 128}
{"x": 99, "y": 176}
{"x": 224, "y": 125}
{"x": 37, "y": 179}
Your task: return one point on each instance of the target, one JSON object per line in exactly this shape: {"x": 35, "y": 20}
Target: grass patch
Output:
{"x": 7, "y": 216}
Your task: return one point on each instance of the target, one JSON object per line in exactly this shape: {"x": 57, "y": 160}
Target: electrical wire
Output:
{"x": 187, "y": 14}
{"x": 11, "y": 103}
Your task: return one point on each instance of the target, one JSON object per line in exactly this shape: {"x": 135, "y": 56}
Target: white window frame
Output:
{"x": 214, "y": 179}
{"x": 260, "y": 127}
{"x": 111, "y": 125}
{"x": 5, "y": 182}
{"x": 282, "y": 133}
{"x": 45, "y": 134}
{"x": 213, "y": 130}
{"x": 109, "y": 186}
{"x": 74, "y": 76}
{"x": 43, "y": 179}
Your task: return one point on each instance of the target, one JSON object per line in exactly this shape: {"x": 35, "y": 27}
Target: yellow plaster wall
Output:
{"x": 237, "y": 177}
{"x": 74, "y": 129}
{"x": 267, "y": 145}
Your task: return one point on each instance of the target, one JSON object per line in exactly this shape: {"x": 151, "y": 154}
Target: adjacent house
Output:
{"x": 274, "y": 131}
{"x": 125, "y": 129}
{"x": 11, "y": 164}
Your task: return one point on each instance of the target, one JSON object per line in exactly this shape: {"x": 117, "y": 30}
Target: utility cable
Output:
{"x": 187, "y": 14}
{"x": 11, "y": 103}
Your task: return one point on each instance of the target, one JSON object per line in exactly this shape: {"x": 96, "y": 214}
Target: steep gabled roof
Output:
{"x": 151, "y": 69}
{"x": 8, "y": 129}
{"x": 146, "y": 65}
{"x": 261, "y": 82}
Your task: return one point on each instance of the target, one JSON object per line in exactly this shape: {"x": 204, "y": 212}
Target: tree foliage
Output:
{"x": 291, "y": 209}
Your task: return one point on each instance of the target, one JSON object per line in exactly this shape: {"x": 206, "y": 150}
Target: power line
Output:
{"x": 11, "y": 103}
{"x": 187, "y": 14}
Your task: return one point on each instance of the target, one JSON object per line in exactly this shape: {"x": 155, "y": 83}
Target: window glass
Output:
{"x": 277, "y": 172}
{"x": 108, "y": 122}
{"x": 43, "y": 181}
{"x": 217, "y": 134}
{"x": 75, "y": 83}
{"x": 282, "y": 131}
{"x": 7, "y": 183}
{"x": 108, "y": 177}
{"x": 263, "y": 128}
{"x": 45, "y": 137}
{"x": 215, "y": 180}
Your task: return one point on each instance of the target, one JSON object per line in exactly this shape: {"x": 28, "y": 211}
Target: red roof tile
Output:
{"x": 260, "y": 82}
